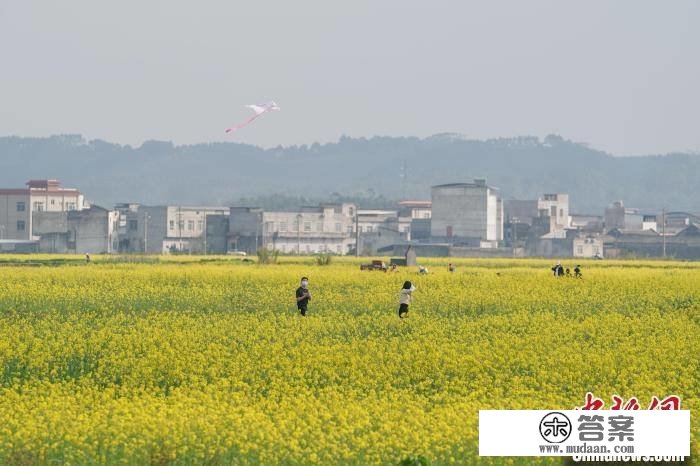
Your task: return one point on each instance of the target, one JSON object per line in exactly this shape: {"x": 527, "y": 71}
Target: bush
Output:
{"x": 265, "y": 256}
{"x": 414, "y": 461}
{"x": 323, "y": 259}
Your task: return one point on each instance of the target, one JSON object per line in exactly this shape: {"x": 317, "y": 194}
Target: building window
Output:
{"x": 190, "y": 225}
{"x": 307, "y": 226}
{"x": 553, "y": 211}
{"x": 426, "y": 215}
{"x": 21, "y": 207}
{"x": 200, "y": 225}
{"x": 319, "y": 226}
{"x": 596, "y": 250}
{"x": 338, "y": 227}
{"x": 133, "y": 225}
{"x": 351, "y": 211}
{"x": 579, "y": 249}
{"x": 181, "y": 224}
{"x": 283, "y": 226}
{"x": 172, "y": 224}
{"x": 20, "y": 225}
{"x": 350, "y": 230}
{"x": 38, "y": 207}
{"x": 70, "y": 206}
{"x": 53, "y": 201}
{"x": 561, "y": 212}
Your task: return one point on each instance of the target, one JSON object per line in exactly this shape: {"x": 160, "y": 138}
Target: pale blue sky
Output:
{"x": 622, "y": 75}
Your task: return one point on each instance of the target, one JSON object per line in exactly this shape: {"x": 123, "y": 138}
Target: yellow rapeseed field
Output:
{"x": 187, "y": 360}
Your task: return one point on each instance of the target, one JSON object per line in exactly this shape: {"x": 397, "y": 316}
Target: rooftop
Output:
{"x": 477, "y": 183}
{"x": 415, "y": 203}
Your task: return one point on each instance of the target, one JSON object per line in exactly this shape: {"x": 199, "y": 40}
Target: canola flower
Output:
{"x": 182, "y": 361}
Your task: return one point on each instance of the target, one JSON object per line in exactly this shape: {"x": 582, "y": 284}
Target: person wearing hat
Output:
{"x": 558, "y": 269}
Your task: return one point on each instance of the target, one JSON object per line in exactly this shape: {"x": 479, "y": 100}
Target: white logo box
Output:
{"x": 517, "y": 433}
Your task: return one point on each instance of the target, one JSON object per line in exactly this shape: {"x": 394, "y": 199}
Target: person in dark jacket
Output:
{"x": 558, "y": 270}
{"x": 577, "y": 272}
{"x": 303, "y": 296}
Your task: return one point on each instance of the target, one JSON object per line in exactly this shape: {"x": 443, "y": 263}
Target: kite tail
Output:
{"x": 245, "y": 123}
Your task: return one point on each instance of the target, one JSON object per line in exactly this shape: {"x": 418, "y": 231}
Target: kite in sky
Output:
{"x": 259, "y": 110}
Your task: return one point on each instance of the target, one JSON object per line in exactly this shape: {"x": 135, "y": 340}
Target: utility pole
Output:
{"x": 257, "y": 230}
{"x": 205, "y": 233}
{"x": 299, "y": 234}
{"x": 663, "y": 231}
{"x": 145, "y": 232}
{"x": 357, "y": 233}
{"x": 180, "y": 223}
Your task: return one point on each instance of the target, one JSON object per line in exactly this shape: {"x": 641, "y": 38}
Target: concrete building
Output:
{"x": 619, "y": 217}
{"x": 172, "y": 229}
{"x": 380, "y": 228}
{"x": 381, "y": 237}
{"x": 420, "y": 213}
{"x": 553, "y": 206}
{"x": 684, "y": 244}
{"x": 583, "y": 222}
{"x": 19, "y": 246}
{"x": 556, "y": 207}
{"x": 520, "y": 211}
{"x": 467, "y": 213}
{"x": 415, "y": 209}
{"x": 676, "y": 222}
{"x": 92, "y": 230}
{"x": 326, "y": 228}
{"x": 17, "y": 206}
{"x": 588, "y": 246}
{"x": 370, "y": 220}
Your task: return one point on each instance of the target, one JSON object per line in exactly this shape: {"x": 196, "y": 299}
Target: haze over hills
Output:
{"x": 371, "y": 169}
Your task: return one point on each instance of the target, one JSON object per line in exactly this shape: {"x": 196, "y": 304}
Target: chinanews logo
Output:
{"x": 555, "y": 427}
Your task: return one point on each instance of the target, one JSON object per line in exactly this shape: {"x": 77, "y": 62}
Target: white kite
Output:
{"x": 259, "y": 110}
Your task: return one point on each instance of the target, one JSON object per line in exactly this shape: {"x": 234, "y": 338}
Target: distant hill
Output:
{"x": 370, "y": 169}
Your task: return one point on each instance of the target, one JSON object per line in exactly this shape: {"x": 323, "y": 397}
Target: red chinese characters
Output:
{"x": 671, "y": 402}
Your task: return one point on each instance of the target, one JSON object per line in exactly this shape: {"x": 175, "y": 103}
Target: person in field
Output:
{"x": 303, "y": 296}
{"x": 558, "y": 270}
{"x": 451, "y": 267}
{"x": 405, "y": 297}
{"x": 577, "y": 272}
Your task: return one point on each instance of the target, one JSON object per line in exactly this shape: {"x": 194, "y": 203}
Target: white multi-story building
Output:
{"x": 468, "y": 212}
{"x": 327, "y": 228}
{"x": 556, "y": 207}
{"x": 18, "y": 205}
